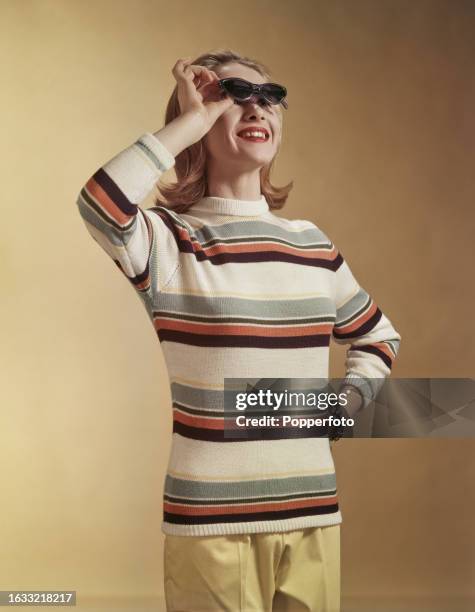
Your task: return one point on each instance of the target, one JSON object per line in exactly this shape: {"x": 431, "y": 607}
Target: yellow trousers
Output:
{"x": 294, "y": 571}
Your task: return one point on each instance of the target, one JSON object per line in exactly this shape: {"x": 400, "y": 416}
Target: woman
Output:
{"x": 235, "y": 291}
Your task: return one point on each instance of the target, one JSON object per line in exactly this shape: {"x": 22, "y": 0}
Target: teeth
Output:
{"x": 253, "y": 134}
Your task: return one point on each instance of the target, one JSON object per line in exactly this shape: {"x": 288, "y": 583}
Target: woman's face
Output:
{"x": 222, "y": 141}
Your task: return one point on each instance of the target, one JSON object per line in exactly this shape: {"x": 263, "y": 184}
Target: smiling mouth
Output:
{"x": 255, "y": 137}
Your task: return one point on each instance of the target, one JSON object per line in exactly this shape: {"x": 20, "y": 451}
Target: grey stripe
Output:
{"x": 256, "y": 309}
{"x": 348, "y": 310}
{"x": 150, "y": 154}
{"x": 254, "y": 488}
{"x": 394, "y": 344}
{"x": 261, "y": 230}
{"x": 212, "y": 399}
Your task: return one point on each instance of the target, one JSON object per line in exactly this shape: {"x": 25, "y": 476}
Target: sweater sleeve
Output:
{"x": 374, "y": 342}
{"x": 108, "y": 204}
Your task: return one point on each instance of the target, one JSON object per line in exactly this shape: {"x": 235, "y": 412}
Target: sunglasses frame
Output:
{"x": 255, "y": 90}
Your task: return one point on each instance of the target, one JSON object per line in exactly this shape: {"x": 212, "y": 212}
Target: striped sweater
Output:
{"x": 234, "y": 291}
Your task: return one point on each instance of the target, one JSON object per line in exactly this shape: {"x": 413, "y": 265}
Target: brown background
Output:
{"x": 379, "y": 139}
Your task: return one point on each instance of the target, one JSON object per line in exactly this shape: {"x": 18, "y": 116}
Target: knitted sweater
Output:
{"x": 234, "y": 291}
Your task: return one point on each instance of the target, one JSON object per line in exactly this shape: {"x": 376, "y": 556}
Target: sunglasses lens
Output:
{"x": 274, "y": 93}
{"x": 238, "y": 89}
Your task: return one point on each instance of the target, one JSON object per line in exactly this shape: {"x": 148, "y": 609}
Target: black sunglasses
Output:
{"x": 242, "y": 90}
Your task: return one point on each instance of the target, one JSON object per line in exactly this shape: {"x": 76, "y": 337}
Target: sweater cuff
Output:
{"x": 156, "y": 151}
{"x": 363, "y": 385}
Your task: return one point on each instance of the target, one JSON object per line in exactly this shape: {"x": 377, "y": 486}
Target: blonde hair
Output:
{"x": 190, "y": 164}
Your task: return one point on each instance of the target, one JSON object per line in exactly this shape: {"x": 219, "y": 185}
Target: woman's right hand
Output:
{"x": 199, "y": 93}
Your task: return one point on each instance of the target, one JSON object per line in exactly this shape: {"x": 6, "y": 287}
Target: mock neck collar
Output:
{"x": 229, "y": 206}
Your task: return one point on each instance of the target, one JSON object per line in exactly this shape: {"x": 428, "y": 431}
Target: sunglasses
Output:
{"x": 242, "y": 90}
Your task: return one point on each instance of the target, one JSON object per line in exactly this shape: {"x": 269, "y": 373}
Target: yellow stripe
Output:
{"x": 195, "y": 383}
{"x": 248, "y": 296}
{"x": 257, "y": 476}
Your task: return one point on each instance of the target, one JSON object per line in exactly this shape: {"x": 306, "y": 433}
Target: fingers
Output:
{"x": 184, "y": 69}
{"x": 200, "y": 74}
{"x": 179, "y": 70}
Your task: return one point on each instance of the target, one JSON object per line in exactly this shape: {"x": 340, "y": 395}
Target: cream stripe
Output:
{"x": 233, "y": 362}
{"x": 236, "y": 460}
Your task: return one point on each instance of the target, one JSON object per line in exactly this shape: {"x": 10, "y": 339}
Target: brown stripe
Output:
{"x": 112, "y": 199}
{"x": 361, "y": 326}
{"x": 374, "y": 350}
{"x": 253, "y": 341}
{"x": 140, "y": 281}
{"x": 247, "y": 434}
{"x": 170, "y": 517}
